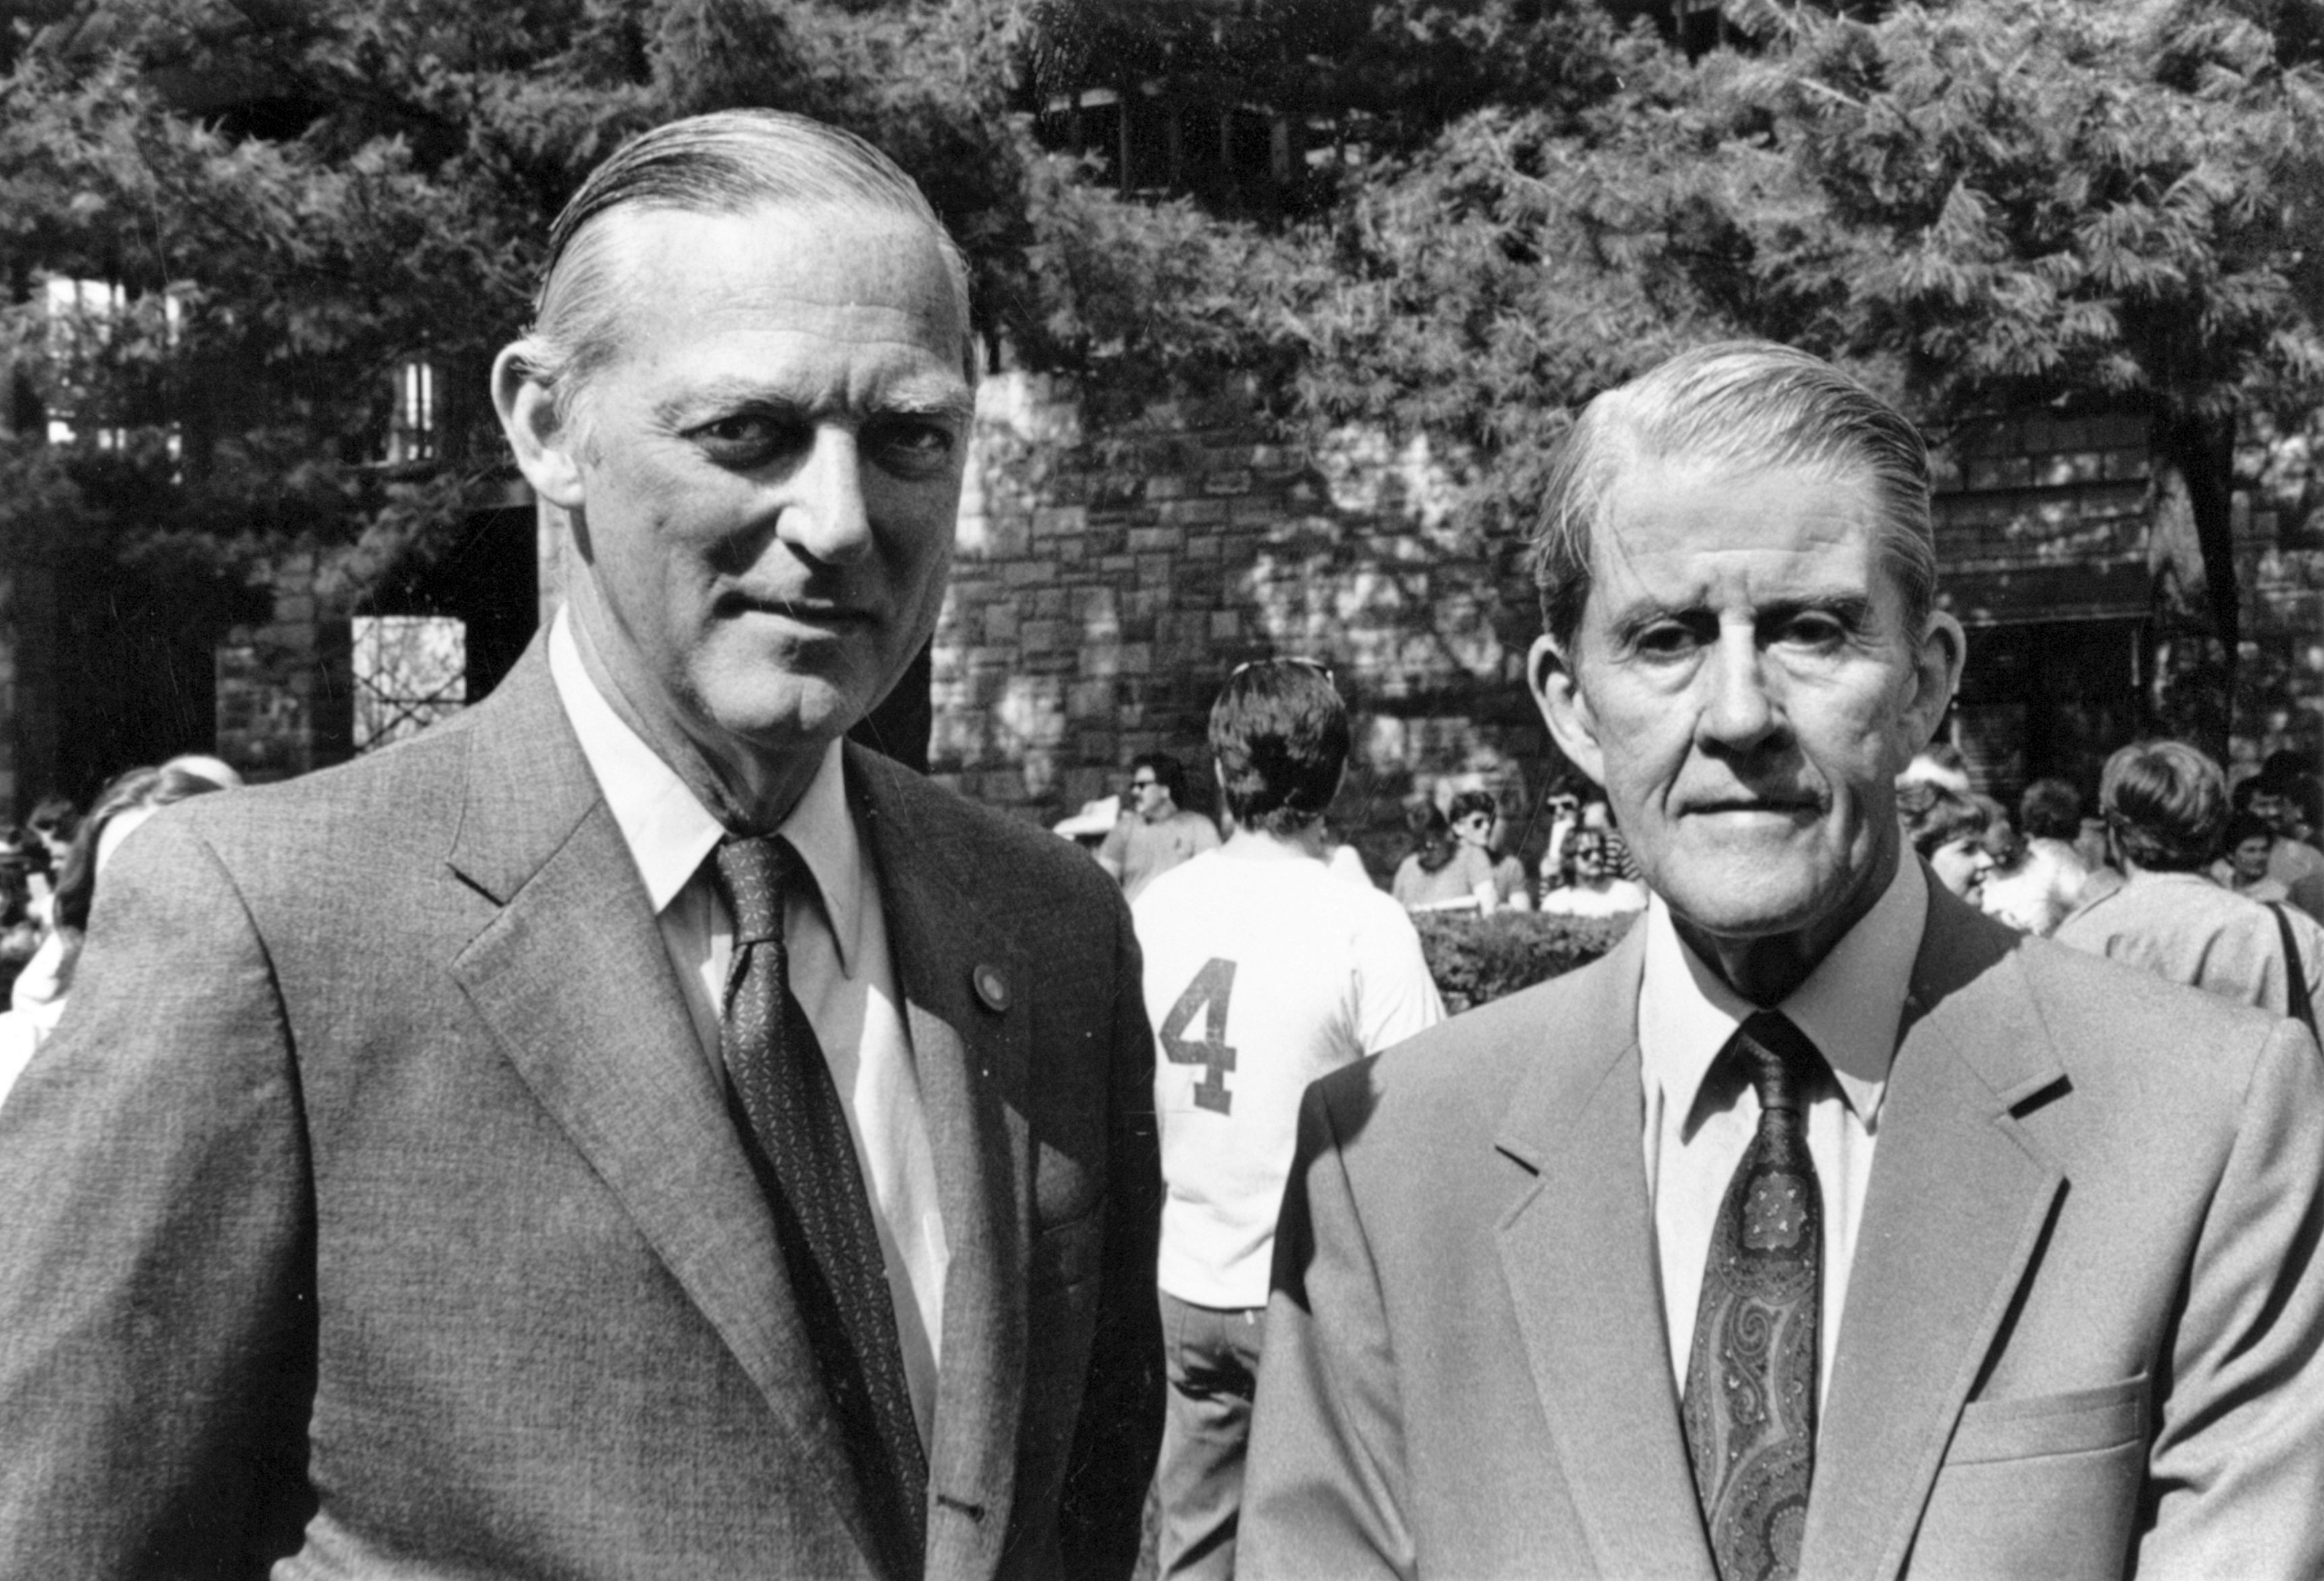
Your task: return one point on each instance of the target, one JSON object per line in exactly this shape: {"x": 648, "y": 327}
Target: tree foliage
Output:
{"x": 2053, "y": 204}
{"x": 1980, "y": 205}
{"x": 293, "y": 202}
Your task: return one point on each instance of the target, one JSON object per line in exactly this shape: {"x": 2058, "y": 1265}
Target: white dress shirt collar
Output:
{"x": 1850, "y": 1006}
{"x": 667, "y": 829}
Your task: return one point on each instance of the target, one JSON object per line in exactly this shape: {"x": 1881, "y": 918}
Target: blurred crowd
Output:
{"x": 2169, "y": 867}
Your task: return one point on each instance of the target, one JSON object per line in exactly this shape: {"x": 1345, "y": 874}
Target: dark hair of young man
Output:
{"x": 1432, "y": 836}
{"x": 2050, "y": 809}
{"x": 1168, "y": 771}
{"x": 1279, "y": 732}
{"x": 1470, "y": 803}
{"x": 2287, "y": 774}
{"x": 2246, "y": 826}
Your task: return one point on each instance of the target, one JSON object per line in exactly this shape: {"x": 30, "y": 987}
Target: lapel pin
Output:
{"x": 991, "y": 987}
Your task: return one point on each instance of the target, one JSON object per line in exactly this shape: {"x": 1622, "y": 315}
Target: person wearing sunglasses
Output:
{"x": 1157, "y": 830}
{"x": 1475, "y": 820}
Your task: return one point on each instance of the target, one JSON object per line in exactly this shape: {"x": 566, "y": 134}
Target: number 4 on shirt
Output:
{"x": 1212, "y": 987}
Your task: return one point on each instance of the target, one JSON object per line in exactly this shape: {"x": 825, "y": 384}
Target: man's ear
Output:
{"x": 1936, "y": 676}
{"x": 544, "y": 445}
{"x": 1557, "y": 692}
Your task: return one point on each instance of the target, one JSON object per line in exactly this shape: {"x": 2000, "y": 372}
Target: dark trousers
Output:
{"x": 1211, "y": 1357}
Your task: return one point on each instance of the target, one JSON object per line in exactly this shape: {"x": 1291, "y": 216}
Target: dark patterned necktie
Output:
{"x": 1751, "y": 1377}
{"x": 807, "y": 1164}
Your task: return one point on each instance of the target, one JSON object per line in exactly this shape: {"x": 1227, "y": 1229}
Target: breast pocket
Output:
{"x": 2046, "y": 1485}
{"x": 2080, "y": 1421}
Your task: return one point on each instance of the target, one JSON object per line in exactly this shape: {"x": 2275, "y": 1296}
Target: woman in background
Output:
{"x": 134, "y": 796}
{"x": 2250, "y": 843}
{"x": 1593, "y": 886}
{"x": 1948, "y": 830}
{"x": 1443, "y": 872}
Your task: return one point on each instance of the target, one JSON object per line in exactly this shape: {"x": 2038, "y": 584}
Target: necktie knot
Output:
{"x": 1779, "y": 1059}
{"x": 753, "y": 872}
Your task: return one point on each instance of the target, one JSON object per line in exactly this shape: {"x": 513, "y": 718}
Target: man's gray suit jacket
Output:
{"x": 376, "y": 1208}
{"x": 2085, "y": 1323}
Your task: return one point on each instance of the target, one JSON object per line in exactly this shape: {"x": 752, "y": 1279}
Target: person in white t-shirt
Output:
{"x": 1264, "y": 971}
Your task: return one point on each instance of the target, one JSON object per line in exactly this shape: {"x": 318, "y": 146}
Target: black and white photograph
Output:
{"x": 1161, "y": 790}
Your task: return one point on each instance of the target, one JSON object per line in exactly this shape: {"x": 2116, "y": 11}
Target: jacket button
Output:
{"x": 992, "y": 988}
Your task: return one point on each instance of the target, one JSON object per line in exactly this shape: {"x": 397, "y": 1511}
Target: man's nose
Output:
{"x": 1738, "y": 711}
{"x": 825, "y": 516}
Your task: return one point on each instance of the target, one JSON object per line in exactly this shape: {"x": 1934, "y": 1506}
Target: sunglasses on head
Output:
{"x": 1318, "y": 665}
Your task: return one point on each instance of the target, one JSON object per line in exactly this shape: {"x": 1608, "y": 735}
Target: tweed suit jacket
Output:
{"x": 375, "y": 1211}
{"x": 2084, "y": 1333}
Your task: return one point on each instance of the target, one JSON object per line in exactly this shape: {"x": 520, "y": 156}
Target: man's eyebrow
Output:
{"x": 1849, "y": 608}
{"x": 1636, "y": 617}
{"x": 933, "y": 398}
{"x": 725, "y": 394}
{"x": 917, "y": 398}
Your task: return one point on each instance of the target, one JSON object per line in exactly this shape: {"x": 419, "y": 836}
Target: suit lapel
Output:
{"x": 1577, "y": 1252}
{"x": 970, "y": 1056}
{"x": 1958, "y": 1203}
{"x": 573, "y": 980}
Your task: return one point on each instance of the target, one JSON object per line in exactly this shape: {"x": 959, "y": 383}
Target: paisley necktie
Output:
{"x": 1750, "y": 1407}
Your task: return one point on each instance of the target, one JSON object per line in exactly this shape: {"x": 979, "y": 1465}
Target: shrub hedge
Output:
{"x": 1477, "y": 959}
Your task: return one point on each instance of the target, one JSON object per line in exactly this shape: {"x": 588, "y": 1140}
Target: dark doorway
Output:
{"x": 2047, "y": 700}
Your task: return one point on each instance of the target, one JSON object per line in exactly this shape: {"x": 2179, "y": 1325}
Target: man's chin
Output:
{"x": 803, "y": 714}
{"x": 1749, "y": 901}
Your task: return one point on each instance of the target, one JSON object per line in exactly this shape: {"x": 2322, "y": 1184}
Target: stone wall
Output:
{"x": 2280, "y": 565}
{"x": 1106, "y": 585}
{"x": 2041, "y": 538}
{"x": 286, "y": 688}
{"x": 2044, "y": 518}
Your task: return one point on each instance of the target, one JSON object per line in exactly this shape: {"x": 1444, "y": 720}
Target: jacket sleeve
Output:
{"x": 2238, "y": 1454}
{"x": 1120, "y": 1428}
{"x": 1323, "y": 1494}
{"x": 156, "y": 1349}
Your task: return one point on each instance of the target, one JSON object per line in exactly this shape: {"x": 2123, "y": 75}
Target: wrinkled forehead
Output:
{"x": 1686, "y": 512}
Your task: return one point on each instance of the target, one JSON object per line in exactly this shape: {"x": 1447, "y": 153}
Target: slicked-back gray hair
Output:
{"x": 1748, "y": 404}
{"x": 731, "y": 162}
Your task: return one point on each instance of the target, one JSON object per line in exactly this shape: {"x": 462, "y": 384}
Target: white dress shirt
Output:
{"x": 839, "y": 971}
{"x": 1850, "y": 1007}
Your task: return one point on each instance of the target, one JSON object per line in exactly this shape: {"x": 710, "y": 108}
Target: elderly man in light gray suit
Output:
{"x": 1826, "y": 1228}
{"x": 627, "y": 1132}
